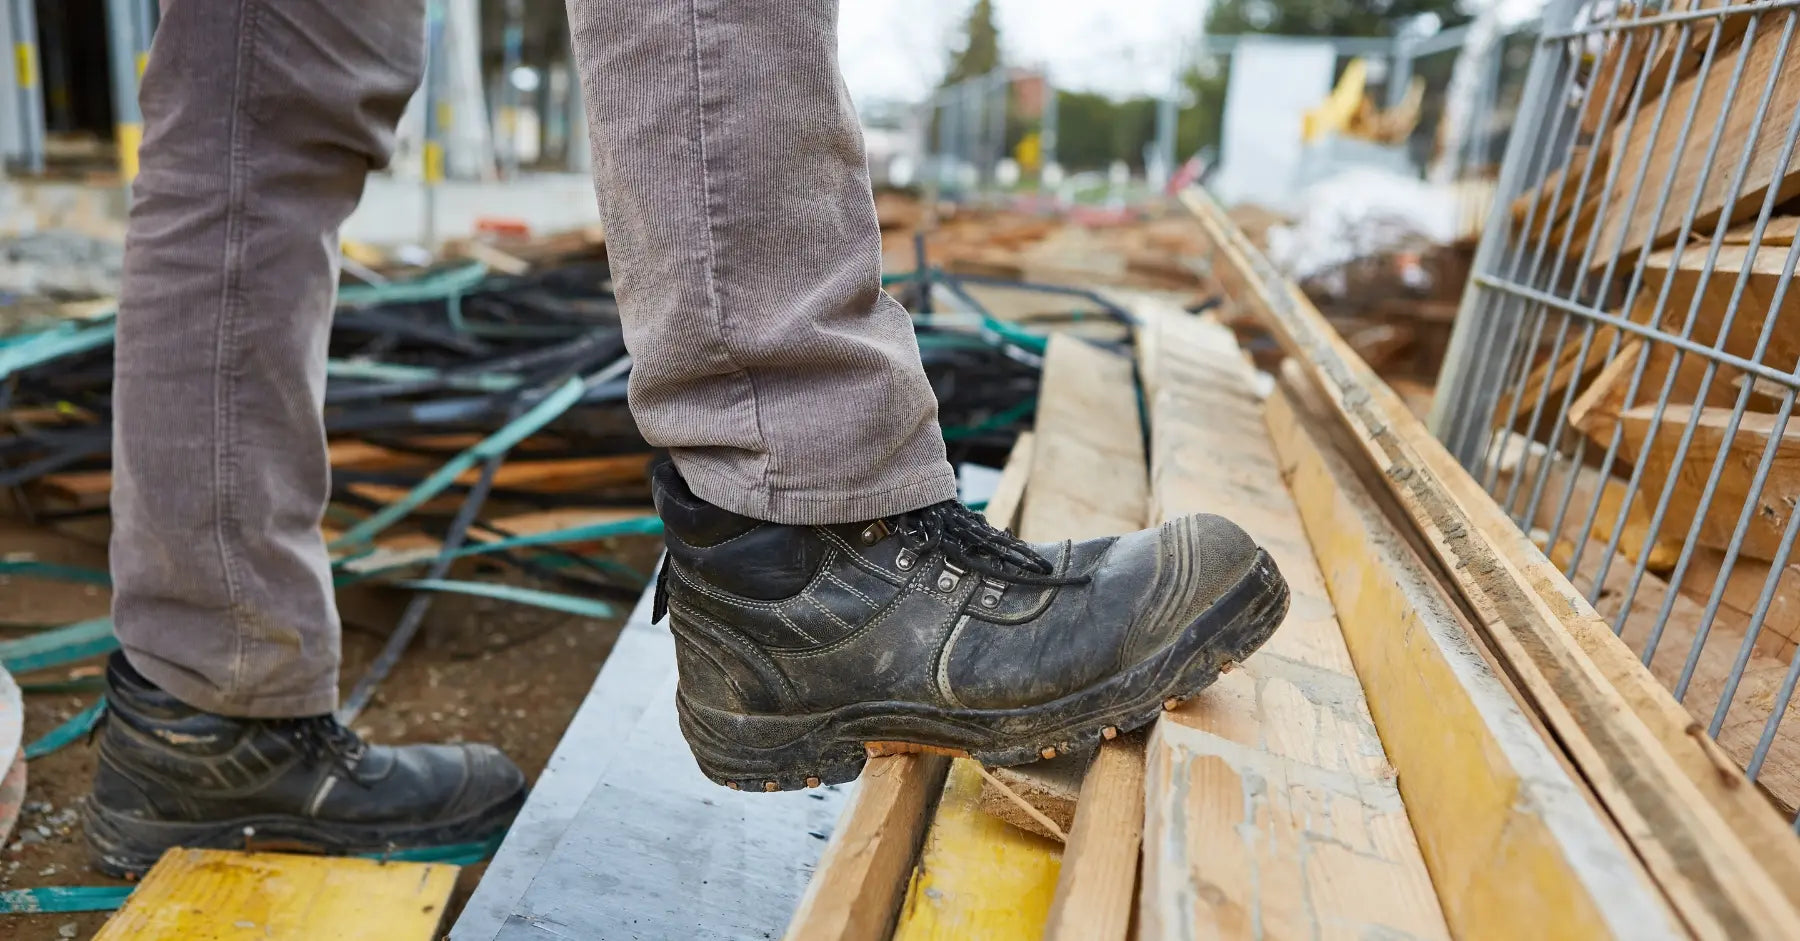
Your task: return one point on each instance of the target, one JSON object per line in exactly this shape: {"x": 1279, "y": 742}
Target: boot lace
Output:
{"x": 967, "y": 539}
{"x": 323, "y": 738}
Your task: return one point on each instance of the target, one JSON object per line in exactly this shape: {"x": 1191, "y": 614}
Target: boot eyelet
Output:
{"x": 905, "y": 560}
{"x": 875, "y": 532}
{"x": 990, "y": 598}
{"x": 949, "y": 578}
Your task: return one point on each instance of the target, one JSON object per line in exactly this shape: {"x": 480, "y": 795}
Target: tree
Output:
{"x": 980, "y": 53}
{"x": 1324, "y": 17}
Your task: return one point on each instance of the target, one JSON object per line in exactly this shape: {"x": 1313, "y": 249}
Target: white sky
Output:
{"x": 898, "y": 48}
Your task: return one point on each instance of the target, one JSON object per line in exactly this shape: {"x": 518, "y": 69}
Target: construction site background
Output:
{"x": 1360, "y": 154}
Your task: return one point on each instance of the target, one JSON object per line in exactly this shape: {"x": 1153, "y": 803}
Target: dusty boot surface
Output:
{"x": 171, "y": 775}
{"x": 802, "y": 649}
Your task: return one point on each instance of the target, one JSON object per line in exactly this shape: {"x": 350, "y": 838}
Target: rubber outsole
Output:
{"x": 831, "y": 748}
{"x": 125, "y": 846}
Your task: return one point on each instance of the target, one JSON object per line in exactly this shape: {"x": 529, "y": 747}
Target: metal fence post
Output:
{"x": 29, "y": 85}
{"x": 1471, "y": 317}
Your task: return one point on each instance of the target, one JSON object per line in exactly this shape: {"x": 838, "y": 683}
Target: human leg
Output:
{"x": 263, "y": 118}
{"x": 739, "y": 220}
{"x": 824, "y": 589}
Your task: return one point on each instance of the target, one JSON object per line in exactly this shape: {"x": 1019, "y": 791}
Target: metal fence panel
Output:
{"x": 1627, "y": 356}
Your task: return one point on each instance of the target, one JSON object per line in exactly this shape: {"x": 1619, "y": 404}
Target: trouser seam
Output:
{"x": 225, "y": 345}
{"x": 703, "y": 108}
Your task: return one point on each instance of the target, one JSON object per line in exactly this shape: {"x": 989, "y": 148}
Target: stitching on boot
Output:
{"x": 828, "y": 613}
{"x": 831, "y": 577}
{"x": 729, "y": 638}
{"x": 729, "y": 598}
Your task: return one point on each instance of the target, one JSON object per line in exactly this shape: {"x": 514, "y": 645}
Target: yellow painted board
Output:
{"x": 978, "y": 876}
{"x": 221, "y": 895}
{"x": 1515, "y": 847}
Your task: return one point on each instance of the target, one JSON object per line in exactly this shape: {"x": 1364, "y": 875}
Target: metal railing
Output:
{"x": 1627, "y": 356}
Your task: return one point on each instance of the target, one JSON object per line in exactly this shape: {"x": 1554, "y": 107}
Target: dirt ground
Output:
{"x": 480, "y": 671}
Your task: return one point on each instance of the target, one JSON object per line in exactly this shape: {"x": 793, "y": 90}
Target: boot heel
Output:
{"x": 767, "y": 753}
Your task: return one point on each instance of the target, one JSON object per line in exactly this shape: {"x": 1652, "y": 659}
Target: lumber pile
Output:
{"x": 1399, "y": 760}
{"x": 1128, "y": 248}
{"x": 1724, "y": 861}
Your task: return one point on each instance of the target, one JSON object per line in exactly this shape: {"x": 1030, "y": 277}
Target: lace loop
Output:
{"x": 967, "y": 539}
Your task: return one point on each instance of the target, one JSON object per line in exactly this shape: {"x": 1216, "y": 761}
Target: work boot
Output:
{"x": 171, "y": 775}
{"x": 804, "y": 649}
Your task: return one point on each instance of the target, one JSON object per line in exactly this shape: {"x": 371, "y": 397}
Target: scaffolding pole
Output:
{"x": 29, "y": 87}
{"x": 128, "y": 27}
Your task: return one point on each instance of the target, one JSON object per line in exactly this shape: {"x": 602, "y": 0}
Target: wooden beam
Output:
{"x": 1728, "y": 864}
{"x": 1526, "y": 459}
{"x": 1515, "y": 847}
{"x": 1087, "y": 480}
{"x": 1097, "y": 887}
{"x": 1091, "y": 479}
{"x": 1743, "y": 587}
{"x": 1687, "y": 278}
{"x": 1657, "y": 454}
{"x": 1270, "y": 807}
{"x": 860, "y": 880}
{"x": 1682, "y": 170}
{"x": 1755, "y": 696}
{"x": 226, "y": 895}
{"x": 1088, "y": 476}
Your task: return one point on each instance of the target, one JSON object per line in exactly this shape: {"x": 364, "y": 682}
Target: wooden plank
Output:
{"x": 978, "y": 877}
{"x": 1779, "y": 231}
{"x": 1745, "y": 449}
{"x": 1743, "y": 588}
{"x": 1515, "y": 846}
{"x": 1095, "y": 890}
{"x": 1087, "y": 480}
{"x": 1727, "y": 863}
{"x": 1090, "y": 479}
{"x": 221, "y": 895}
{"x": 1270, "y": 807}
{"x": 1526, "y": 458}
{"x": 1089, "y": 469}
{"x": 1756, "y": 695}
{"x": 1687, "y": 278}
{"x": 862, "y": 877}
{"x": 1679, "y": 169}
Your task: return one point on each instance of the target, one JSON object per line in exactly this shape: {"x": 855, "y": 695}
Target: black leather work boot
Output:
{"x": 171, "y": 775}
{"x": 804, "y": 649}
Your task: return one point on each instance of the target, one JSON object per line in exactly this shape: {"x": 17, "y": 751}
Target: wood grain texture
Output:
{"x": 1270, "y": 807}
{"x": 1515, "y": 846}
{"x": 1655, "y": 445}
{"x": 1088, "y": 478}
{"x": 220, "y": 895}
{"x": 1724, "y": 859}
{"x": 1682, "y": 170}
{"x": 860, "y": 880}
{"x": 1088, "y": 414}
{"x": 978, "y": 877}
{"x": 1096, "y": 890}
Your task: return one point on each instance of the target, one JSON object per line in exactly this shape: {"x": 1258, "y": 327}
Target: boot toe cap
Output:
{"x": 1200, "y": 559}
{"x": 489, "y": 780}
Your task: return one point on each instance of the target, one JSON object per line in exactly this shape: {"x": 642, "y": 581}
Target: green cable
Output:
{"x": 80, "y": 724}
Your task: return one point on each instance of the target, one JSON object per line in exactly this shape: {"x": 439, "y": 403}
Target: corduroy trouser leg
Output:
{"x": 735, "y": 197}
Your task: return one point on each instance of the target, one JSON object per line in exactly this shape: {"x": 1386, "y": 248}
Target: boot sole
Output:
{"x": 790, "y": 752}
{"x": 125, "y": 846}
